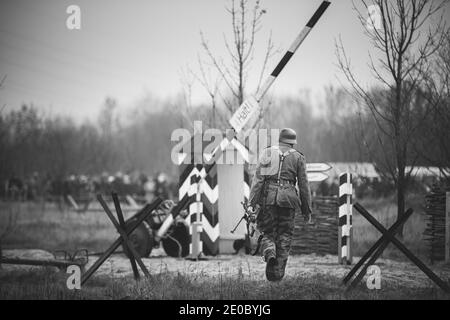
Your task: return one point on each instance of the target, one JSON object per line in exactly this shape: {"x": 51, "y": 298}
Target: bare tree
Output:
{"x": 225, "y": 79}
{"x": 405, "y": 36}
{"x": 2, "y": 82}
{"x": 211, "y": 84}
{"x": 106, "y": 122}
{"x": 187, "y": 78}
{"x": 434, "y": 145}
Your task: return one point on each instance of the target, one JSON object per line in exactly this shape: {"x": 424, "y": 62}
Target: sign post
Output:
{"x": 317, "y": 167}
{"x": 315, "y": 171}
{"x": 316, "y": 176}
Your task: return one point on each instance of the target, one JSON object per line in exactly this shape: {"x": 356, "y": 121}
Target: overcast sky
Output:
{"x": 126, "y": 49}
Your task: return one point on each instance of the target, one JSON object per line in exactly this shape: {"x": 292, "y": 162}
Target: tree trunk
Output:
{"x": 400, "y": 156}
{"x": 401, "y": 186}
{"x": 241, "y": 88}
{"x": 213, "y": 124}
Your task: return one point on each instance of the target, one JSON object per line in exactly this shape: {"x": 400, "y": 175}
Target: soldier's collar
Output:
{"x": 285, "y": 144}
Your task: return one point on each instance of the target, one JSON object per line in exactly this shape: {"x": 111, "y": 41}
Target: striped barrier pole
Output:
{"x": 345, "y": 237}
{"x": 292, "y": 49}
{"x": 247, "y": 109}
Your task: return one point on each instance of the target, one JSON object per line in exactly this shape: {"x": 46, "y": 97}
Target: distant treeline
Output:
{"x": 335, "y": 130}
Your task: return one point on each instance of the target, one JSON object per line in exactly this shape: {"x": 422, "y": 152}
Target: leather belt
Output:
{"x": 282, "y": 182}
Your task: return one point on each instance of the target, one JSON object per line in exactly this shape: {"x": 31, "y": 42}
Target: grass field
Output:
{"x": 385, "y": 211}
{"x": 48, "y": 228}
{"x": 45, "y": 227}
{"x": 46, "y": 284}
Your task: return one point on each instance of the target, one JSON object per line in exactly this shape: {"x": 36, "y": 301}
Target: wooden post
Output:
{"x": 447, "y": 227}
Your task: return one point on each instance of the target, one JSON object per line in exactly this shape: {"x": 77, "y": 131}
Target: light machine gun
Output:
{"x": 250, "y": 218}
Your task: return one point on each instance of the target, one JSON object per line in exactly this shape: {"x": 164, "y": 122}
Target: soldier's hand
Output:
{"x": 252, "y": 229}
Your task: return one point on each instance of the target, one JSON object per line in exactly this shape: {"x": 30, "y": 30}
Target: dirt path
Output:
{"x": 403, "y": 274}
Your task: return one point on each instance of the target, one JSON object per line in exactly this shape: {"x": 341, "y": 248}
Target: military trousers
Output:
{"x": 276, "y": 224}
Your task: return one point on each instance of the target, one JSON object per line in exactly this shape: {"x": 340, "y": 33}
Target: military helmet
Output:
{"x": 288, "y": 135}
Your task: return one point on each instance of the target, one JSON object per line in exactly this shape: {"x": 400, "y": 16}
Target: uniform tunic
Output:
{"x": 279, "y": 202}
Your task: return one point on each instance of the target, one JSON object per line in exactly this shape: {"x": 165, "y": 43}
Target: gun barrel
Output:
{"x": 237, "y": 225}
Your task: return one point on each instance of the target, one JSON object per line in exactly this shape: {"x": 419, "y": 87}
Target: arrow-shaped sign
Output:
{"x": 316, "y": 176}
{"x": 317, "y": 167}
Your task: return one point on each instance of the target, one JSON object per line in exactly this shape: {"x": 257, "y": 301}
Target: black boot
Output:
{"x": 271, "y": 267}
{"x": 281, "y": 267}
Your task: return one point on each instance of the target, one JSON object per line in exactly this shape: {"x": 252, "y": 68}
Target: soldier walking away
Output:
{"x": 275, "y": 199}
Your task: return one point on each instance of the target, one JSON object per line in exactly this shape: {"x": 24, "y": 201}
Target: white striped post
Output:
{"x": 248, "y": 108}
{"x": 345, "y": 254}
{"x": 196, "y": 246}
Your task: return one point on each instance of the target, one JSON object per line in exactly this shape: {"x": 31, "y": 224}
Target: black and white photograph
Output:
{"x": 226, "y": 156}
